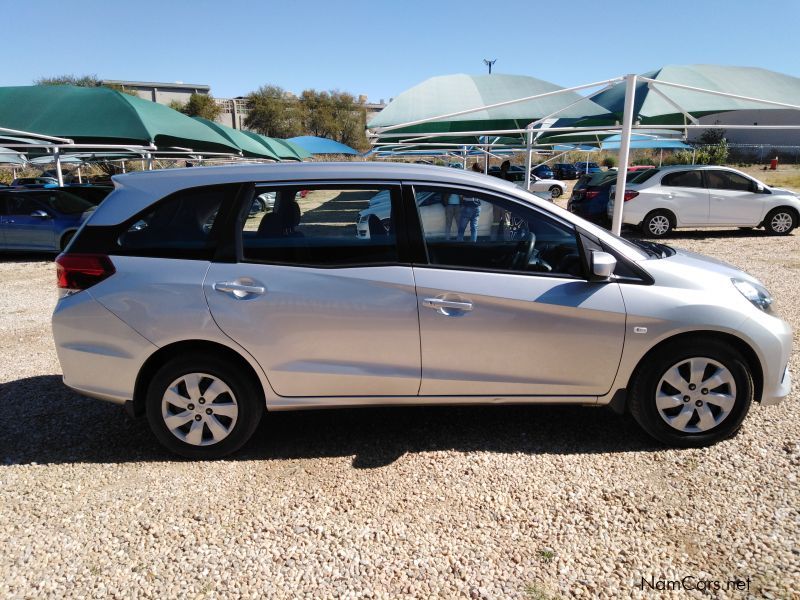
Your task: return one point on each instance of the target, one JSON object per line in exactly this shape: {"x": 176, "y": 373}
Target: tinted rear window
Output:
{"x": 692, "y": 179}
{"x": 642, "y": 176}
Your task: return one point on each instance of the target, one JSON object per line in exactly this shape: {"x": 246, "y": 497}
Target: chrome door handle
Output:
{"x": 438, "y": 303}
{"x": 233, "y": 287}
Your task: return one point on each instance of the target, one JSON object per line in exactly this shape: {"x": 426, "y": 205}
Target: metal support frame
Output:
{"x": 624, "y": 151}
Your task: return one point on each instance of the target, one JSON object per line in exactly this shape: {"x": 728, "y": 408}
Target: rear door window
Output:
{"x": 692, "y": 179}
{"x": 182, "y": 225}
{"x": 324, "y": 226}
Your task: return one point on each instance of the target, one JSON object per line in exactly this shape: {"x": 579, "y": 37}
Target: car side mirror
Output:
{"x": 40, "y": 214}
{"x": 602, "y": 265}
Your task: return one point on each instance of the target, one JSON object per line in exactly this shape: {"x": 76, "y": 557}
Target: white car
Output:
{"x": 544, "y": 188}
{"x": 431, "y": 212}
{"x": 705, "y": 196}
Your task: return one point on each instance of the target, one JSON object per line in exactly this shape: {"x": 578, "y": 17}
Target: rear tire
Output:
{"x": 555, "y": 192}
{"x": 658, "y": 223}
{"x": 780, "y": 221}
{"x": 664, "y": 381}
{"x": 203, "y": 407}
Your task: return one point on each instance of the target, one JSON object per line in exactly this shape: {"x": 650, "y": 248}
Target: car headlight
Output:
{"x": 756, "y": 294}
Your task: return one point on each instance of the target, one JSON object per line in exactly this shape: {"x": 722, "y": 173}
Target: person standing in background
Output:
{"x": 500, "y": 217}
{"x": 452, "y": 212}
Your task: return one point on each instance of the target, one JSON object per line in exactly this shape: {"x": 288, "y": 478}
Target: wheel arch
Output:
{"x": 67, "y": 232}
{"x": 166, "y": 353}
{"x": 747, "y": 352}
{"x": 787, "y": 207}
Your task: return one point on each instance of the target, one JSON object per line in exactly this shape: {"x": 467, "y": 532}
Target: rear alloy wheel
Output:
{"x": 555, "y": 191}
{"x": 691, "y": 396}
{"x": 657, "y": 224}
{"x": 203, "y": 408}
{"x": 780, "y": 221}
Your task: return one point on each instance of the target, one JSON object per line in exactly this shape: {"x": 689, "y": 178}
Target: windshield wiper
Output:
{"x": 655, "y": 250}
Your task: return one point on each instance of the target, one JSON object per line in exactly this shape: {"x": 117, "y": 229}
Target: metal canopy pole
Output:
{"x": 528, "y": 158}
{"x": 149, "y": 161}
{"x": 624, "y": 151}
{"x": 59, "y": 174}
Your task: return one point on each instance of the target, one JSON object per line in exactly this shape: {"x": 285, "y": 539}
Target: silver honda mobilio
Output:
{"x": 190, "y": 302}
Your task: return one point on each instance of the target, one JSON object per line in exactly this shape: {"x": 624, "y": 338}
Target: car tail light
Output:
{"x": 630, "y": 195}
{"x": 77, "y": 272}
{"x": 589, "y": 194}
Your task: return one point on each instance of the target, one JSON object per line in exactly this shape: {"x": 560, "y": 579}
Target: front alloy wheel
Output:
{"x": 780, "y": 222}
{"x": 692, "y": 394}
{"x": 695, "y": 395}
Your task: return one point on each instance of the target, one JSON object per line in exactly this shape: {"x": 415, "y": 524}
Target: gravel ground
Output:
{"x": 519, "y": 502}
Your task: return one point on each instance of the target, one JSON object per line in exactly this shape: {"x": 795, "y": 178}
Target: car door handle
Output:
{"x": 238, "y": 289}
{"x": 439, "y": 303}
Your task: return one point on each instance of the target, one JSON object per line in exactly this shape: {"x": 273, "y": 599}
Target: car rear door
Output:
{"x": 684, "y": 193}
{"x": 324, "y": 311}
{"x": 512, "y": 313}
{"x": 734, "y": 199}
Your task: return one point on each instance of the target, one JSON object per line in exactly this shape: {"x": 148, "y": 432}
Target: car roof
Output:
{"x": 137, "y": 190}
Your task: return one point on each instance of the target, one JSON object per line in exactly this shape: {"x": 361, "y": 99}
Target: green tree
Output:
{"x": 200, "y": 105}
{"x": 80, "y": 81}
{"x": 273, "y": 113}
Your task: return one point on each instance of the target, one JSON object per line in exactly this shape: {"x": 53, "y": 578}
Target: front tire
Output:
{"x": 202, "y": 407}
{"x": 555, "y": 192}
{"x": 690, "y": 395}
{"x": 780, "y": 221}
{"x": 657, "y": 224}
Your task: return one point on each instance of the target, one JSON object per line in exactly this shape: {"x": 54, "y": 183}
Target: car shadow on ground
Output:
{"x": 45, "y": 422}
{"x": 697, "y": 234}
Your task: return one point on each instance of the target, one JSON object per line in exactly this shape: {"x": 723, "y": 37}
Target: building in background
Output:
{"x": 163, "y": 93}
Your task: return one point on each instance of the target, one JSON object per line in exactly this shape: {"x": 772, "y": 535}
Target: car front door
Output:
{"x": 326, "y": 312}
{"x": 734, "y": 199}
{"x": 28, "y": 225}
{"x": 509, "y": 311}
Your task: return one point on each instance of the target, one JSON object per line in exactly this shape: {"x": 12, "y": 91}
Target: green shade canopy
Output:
{"x": 651, "y": 108}
{"x": 249, "y": 146}
{"x": 281, "y": 148}
{"x": 101, "y": 115}
{"x": 454, "y": 93}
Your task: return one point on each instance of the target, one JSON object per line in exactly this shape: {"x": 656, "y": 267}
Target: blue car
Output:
{"x": 587, "y": 168}
{"x": 543, "y": 172}
{"x": 41, "y": 220}
{"x": 589, "y": 198}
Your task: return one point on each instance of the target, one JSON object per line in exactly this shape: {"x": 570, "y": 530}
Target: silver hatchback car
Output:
{"x": 185, "y": 301}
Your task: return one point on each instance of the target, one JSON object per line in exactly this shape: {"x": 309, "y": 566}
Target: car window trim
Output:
{"x": 412, "y": 206}
{"x": 401, "y": 241}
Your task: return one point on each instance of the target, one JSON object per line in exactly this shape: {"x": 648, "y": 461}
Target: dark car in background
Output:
{"x": 24, "y": 182}
{"x": 589, "y": 198}
{"x": 41, "y": 220}
{"x": 564, "y": 171}
{"x": 587, "y": 168}
{"x": 591, "y": 193}
{"x": 543, "y": 172}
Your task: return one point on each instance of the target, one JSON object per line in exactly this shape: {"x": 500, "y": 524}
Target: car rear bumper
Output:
{"x": 100, "y": 355}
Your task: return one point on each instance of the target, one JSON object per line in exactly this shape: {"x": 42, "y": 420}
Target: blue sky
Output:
{"x": 381, "y": 48}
